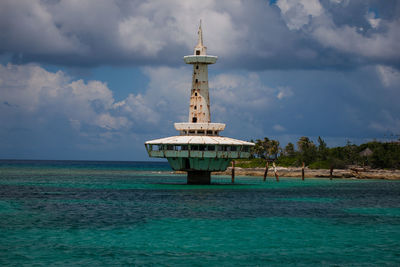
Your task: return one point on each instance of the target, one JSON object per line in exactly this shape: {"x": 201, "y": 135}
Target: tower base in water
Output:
{"x": 198, "y": 177}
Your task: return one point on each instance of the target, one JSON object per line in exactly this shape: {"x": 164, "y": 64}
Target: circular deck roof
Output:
{"x": 198, "y": 139}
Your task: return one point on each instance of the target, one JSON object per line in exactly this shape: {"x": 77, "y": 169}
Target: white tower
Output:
{"x": 199, "y": 149}
{"x": 199, "y": 110}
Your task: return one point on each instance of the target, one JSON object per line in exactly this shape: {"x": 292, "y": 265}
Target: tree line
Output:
{"x": 374, "y": 154}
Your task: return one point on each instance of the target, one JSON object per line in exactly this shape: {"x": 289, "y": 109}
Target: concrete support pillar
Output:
{"x": 199, "y": 177}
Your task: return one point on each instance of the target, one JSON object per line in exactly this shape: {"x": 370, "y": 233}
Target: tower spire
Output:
{"x": 200, "y": 49}
{"x": 200, "y": 36}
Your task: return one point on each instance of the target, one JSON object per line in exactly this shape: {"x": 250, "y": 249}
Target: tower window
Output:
{"x": 197, "y": 52}
{"x": 195, "y": 107}
{"x": 194, "y": 119}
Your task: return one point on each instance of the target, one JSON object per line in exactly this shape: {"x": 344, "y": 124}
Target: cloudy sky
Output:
{"x": 94, "y": 79}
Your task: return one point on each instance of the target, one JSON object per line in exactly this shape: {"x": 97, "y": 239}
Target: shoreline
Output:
{"x": 295, "y": 172}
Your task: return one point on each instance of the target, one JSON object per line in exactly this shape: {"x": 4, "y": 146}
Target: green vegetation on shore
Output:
{"x": 378, "y": 155}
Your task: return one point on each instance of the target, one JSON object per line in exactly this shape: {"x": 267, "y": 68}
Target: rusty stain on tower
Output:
{"x": 199, "y": 149}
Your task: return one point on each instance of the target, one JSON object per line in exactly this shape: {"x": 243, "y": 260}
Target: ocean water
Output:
{"x": 72, "y": 213}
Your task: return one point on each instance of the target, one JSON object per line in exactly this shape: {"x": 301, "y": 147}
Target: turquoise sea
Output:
{"x": 74, "y": 213}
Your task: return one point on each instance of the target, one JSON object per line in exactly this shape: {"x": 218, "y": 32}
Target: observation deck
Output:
{"x": 202, "y": 59}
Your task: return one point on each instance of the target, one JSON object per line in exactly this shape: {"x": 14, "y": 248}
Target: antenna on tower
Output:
{"x": 200, "y": 34}
{"x": 200, "y": 49}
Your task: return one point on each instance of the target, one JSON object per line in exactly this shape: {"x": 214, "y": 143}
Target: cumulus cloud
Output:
{"x": 298, "y": 13}
{"x": 117, "y": 32}
{"x": 36, "y": 96}
{"x": 278, "y": 128}
{"x": 389, "y": 76}
{"x": 284, "y": 92}
{"x": 338, "y": 1}
{"x": 66, "y": 112}
{"x": 348, "y": 39}
{"x": 250, "y": 35}
{"x": 28, "y": 27}
{"x": 241, "y": 91}
{"x": 41, "y": 110}
{"x": 321, "y": 25}
{"x": 238, "y": 101}
{"x": 373, "y": 20}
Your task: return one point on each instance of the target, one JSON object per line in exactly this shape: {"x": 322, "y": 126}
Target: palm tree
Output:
{"x": 273, "y": 148}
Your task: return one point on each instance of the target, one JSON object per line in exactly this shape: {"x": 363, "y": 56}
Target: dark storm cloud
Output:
{"x": 248, "y": 35}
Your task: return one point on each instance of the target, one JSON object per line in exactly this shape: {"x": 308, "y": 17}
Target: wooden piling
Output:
{"x": 266, "y": 171}
{"x": 302, "y": 171}
{"x": 275, "y": 172}
{"x": 233, "y": 171}
{"x": 331, "y": 173}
